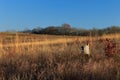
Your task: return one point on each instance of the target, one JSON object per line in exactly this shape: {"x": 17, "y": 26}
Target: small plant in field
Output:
{"x": 110, "y": 47}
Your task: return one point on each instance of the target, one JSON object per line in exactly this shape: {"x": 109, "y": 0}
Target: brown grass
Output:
{"x": 57, "y": 58}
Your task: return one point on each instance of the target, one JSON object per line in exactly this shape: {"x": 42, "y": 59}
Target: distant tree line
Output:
{"x": 66, "y": 29}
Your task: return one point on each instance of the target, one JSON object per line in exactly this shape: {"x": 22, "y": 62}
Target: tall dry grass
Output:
{"x": 56, "y": 60}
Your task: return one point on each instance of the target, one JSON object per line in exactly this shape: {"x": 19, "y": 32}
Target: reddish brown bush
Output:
{"x": 110, "y": 47}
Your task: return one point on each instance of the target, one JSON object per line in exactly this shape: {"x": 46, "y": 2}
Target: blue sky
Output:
{"x": 23, "y": 14}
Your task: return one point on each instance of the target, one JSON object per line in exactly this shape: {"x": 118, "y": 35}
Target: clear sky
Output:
{"x": 22, "y": 14}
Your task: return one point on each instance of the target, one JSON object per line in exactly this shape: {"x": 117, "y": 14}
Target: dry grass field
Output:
{"x": 48, "y": 57}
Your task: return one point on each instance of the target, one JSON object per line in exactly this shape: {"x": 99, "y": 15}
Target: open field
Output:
{"x": 45, "y": 57}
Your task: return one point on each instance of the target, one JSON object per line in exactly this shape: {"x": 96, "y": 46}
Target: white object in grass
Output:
{"x": 87, "y": 49}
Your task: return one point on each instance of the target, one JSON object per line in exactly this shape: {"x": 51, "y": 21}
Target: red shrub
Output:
{"x": 110, "y": 47}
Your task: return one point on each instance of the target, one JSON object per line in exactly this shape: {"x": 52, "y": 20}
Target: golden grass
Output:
{"x": 47, "y": 57}
{"x": 16, "y": 42}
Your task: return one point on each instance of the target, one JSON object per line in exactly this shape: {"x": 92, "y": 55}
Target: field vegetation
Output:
{"x": 49, "y": 57}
